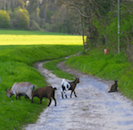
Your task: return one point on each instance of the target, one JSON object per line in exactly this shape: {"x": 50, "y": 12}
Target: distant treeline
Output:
{"x": 48, "y": 15}
{"x": 95, "y": 19}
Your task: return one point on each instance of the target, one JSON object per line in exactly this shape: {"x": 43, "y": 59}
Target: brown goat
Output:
{"x": 113, "y": 87}
{"x": 47, "y": 92}
{"x": 72, "y": 88}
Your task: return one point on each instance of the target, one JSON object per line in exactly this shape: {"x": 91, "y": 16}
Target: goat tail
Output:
{"x": 54, "y": 88}
{"x": 53, "y": 93}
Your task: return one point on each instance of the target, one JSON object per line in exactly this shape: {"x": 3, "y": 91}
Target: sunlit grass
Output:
{"x": 37, "y": 39}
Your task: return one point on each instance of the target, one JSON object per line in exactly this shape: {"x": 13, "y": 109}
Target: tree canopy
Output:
{"x": 95, "y": 19}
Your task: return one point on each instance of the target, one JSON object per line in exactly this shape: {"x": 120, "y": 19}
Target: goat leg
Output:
{"x": 19, "y": 97}
{"x": 75, "y": 94}
{"x": 49, "y": 101}
{"x": 65, "y": 95}
{"x": 32, "y": 100}
{"x": 40, "y": 100}
{"x": 62, "y": 95}
{"x": 55, "y": 101}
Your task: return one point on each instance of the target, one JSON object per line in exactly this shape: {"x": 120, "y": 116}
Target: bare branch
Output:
{"x": 80, "y": 11}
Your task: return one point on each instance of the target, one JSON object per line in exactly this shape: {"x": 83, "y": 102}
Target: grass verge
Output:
{"x": 55, "y": 70}
{"x": 109, "y": 67}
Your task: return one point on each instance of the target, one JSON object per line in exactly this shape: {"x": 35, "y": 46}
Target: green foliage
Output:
{"x": 107, "y": 27}
{"x": 4, "y": 19}
{"x": 105, "y": 7}
{"x": 22, "y": 19}
{"x": 34, "y": 26}
{"x": 49, "y": 14}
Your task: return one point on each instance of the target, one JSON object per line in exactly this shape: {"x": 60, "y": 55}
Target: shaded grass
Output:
{"x": 109, "y": 67}
{"x": 24, "y": 32}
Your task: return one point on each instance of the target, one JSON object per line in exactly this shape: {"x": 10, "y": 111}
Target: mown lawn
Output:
{"x": 17, "y": 56}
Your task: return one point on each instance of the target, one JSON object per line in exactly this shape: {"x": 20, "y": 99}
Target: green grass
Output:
{"x": 23, "y": 32}
{"x": 109, "y": 67}
{"x": 16, "y": 65}
{"x": 51, "y": 65}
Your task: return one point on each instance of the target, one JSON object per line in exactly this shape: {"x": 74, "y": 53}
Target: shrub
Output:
{"x": 4, "y": 19}
{"x": 22, "y": 19}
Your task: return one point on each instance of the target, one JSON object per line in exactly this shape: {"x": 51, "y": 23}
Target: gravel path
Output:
{"x": 93, "y": 109}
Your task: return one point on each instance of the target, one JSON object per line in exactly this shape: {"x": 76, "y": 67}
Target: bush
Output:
{"x": 4, "y": 19}
{"x": 22, "y": 19}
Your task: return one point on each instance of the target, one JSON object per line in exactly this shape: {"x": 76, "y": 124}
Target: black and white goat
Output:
{"x": 65, "y": 86}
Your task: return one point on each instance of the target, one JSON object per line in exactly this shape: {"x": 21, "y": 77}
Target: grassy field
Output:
{"x": 10, "y": 37}
{"x": 17, "y": 55}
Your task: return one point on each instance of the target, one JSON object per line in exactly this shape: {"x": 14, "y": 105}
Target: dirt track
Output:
{"x": 93, "y": 109}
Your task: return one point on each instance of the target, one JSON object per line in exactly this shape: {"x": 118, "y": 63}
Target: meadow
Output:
{"x": 19, "y": 50}
{"x": 112, "y": 66}
{"x": 8, "y": 37}
{"x": 19, "y": 53}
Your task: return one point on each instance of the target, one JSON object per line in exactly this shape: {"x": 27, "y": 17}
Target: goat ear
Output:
{"x": 9, "y": 88}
